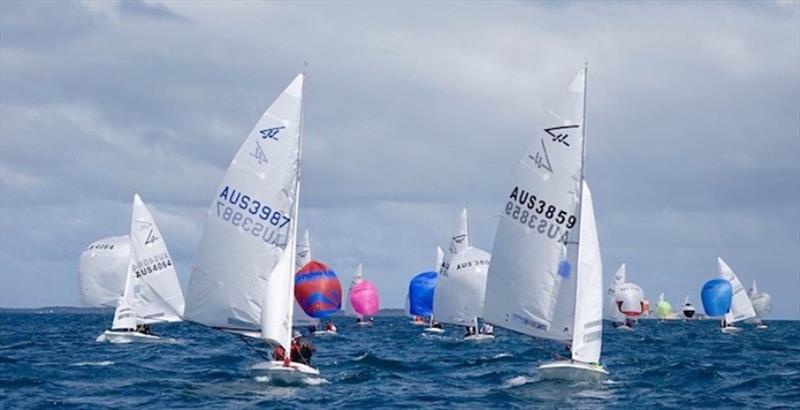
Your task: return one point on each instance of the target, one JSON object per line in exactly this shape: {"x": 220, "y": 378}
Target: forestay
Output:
{"x": 741, "y": 307}
{"x": 531, "y": 281}
{"x": 250, "y": 226}
{"x": 587, "y": 338}
{"x": 461, "y": 289}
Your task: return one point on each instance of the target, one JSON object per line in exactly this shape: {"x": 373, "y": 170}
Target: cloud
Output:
{"x": 411, "y": 113}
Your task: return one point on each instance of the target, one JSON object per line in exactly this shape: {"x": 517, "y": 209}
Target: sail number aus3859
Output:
{"x": 536, "y": 214}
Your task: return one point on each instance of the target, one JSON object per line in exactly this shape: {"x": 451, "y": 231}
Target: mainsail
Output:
{"x": 304, "y": 255}
{"x": 246, "y": 256}
{"x": 152, "y": 293}
{"x": 762, "y": 301}
{"x": 461, "y": 289}
{"x": 531, "y": 280}
{"x": 741, "y": 307}
{"x": 612, "y": 311}
{"x": 348, "y": 310}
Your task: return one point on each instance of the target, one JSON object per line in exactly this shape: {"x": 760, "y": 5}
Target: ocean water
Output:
{"x": 50, "y": 359}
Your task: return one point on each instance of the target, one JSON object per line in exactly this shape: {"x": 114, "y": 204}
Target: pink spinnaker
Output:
{"x": 364, "y": 298}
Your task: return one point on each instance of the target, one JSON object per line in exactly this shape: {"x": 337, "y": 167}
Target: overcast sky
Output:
{"x": 413, "y": 110}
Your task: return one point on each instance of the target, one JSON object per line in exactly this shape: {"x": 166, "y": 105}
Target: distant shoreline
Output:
{"x": 390, "y": 312}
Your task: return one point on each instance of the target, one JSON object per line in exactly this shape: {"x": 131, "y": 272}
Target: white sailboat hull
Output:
{"x": 434, "y": 330}
{"x": 365, "y": 323}
{"x": 479, "y": 338}
{"x": 762, "y": 326}
{"x": 324, "y": 333}
{"x": 295, "y": 373}
{"x": 732, "y": 330}
{"x": 572, "y": 370}
{"x": 116, "y": 336}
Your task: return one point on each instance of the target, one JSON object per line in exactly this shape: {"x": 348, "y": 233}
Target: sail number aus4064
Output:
{"x": 536, "y": 214}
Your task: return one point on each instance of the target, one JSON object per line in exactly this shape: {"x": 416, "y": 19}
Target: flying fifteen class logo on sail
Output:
{"x": 266, "y": 134}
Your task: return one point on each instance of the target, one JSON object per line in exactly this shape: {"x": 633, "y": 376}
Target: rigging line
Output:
{"x": 258, "y": 352}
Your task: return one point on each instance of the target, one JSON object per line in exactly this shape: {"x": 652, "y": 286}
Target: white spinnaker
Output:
{"x": 102, "y": 270}
{"x": 248, "y": 228}
{"x": 348, "y": 308}
{"x": 762, "y": 301}
{"x": 530, "y": 286}
{"x": 587, "y": 337}
{"x": 158, "y": 293}
{"x": 304, "y": 255}
{"x": 741, "y": 307}
{"x": 611, "y": 310}
{"x": 460, "y": 291}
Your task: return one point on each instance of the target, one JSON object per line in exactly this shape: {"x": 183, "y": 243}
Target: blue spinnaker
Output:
{"x": 420, "y": 294}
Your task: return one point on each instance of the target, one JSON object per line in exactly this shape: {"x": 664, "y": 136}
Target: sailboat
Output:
{"x": 243, "y": 275}
{"x": 151, "y": 293}
{"x": 612, "y": 309}
{"x": 688, "y": 309}
{"x": 547, "y": 228}
{"x": 362, "y": 299}
{"x": 762, "y": 304}
{"x": 461, "y": 290}
{"x": 459, "y": 240}
{"x": 741, "y": 307}
{"x": 304, "y": 255}
{"x": 102, "y": 271}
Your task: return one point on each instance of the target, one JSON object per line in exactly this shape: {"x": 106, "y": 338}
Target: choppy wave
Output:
{"x": 392, "y": 364}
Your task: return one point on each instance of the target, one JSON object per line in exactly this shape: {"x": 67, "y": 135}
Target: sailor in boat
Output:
{"x": 469, "y": 331}
{"x": 487, "y": 329}
{"x": 143, "y": 329}
{"x": 330, "y": 327}
{"x": 359, "y": 320}
{"x": 437, "y": 325}
{"x": 301, "y": 352}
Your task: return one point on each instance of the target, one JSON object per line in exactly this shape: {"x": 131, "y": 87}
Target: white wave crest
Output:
{"x": 103, "y": 363}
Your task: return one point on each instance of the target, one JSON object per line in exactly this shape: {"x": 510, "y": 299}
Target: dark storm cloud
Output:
{"x": 412, "y": 111}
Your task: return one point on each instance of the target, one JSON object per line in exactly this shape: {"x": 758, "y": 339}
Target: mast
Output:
{"x": 292, "y": 243}
{"x": 580, "y": 205}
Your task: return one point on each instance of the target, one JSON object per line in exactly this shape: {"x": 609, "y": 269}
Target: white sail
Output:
{"x": 587, "y": 337}
{"x": 125, "y": 316}
{"x": 531, "y": 281}
{"x": 348, "y": 309}
{"x": 158, "y": 292}
{"x": 439, "y": 259}
{"x": 250, "y": 225}
{"x": 611, "y": 310}
{"x": 741, "y": 307}
{"x": 152, "y": 292}
{"x": 102, "y": 270}
{"x": 303, "y": 251}
{"x": 762, "y": 301}
{"x": 304, "y": 255}
{"x": 459, "y": 240}
{"x": 461, "y": 289}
